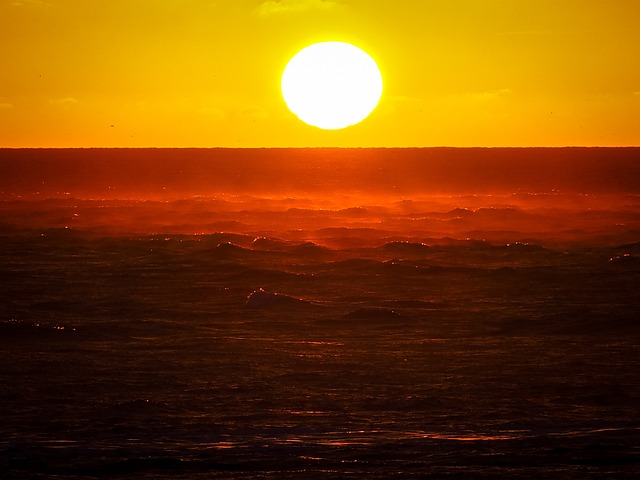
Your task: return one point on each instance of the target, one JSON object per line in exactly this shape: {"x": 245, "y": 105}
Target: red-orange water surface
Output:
{"x": 370, "y": 331}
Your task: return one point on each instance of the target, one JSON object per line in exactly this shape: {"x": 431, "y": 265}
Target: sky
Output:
{"x": 205, "y": 73}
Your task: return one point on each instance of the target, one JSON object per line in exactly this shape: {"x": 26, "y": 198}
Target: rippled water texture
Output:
{"x": 320, "y": 336}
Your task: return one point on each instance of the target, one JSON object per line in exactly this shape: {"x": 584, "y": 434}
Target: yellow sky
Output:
{"x": 207, "y": 73}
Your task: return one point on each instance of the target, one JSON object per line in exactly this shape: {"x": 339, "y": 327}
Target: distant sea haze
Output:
{"x": 404, "y": 172}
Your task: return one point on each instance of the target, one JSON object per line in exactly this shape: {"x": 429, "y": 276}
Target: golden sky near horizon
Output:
{"x": 206, "y": 73}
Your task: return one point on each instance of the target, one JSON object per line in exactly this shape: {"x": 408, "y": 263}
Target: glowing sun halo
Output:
{"x": 331, "y": 85}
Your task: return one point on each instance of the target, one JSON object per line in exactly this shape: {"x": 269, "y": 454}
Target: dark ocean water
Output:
{"x": 324, "y": 333}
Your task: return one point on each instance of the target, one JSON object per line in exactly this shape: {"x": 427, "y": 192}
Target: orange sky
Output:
{"x": 207, "y": 72}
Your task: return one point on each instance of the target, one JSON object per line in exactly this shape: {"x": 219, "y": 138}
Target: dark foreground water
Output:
{"x": 482, "y": 336}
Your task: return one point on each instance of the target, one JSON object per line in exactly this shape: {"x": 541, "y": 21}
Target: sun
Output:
{"x": 331, "y": 85}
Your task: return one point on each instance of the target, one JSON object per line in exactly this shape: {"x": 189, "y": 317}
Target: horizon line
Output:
{"x": 321, "y": 147}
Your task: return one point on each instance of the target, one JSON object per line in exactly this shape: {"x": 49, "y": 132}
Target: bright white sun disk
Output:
{"x": 331, "y": 85}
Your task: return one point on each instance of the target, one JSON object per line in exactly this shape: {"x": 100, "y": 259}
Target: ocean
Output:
{"x": 320, "y": 313}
